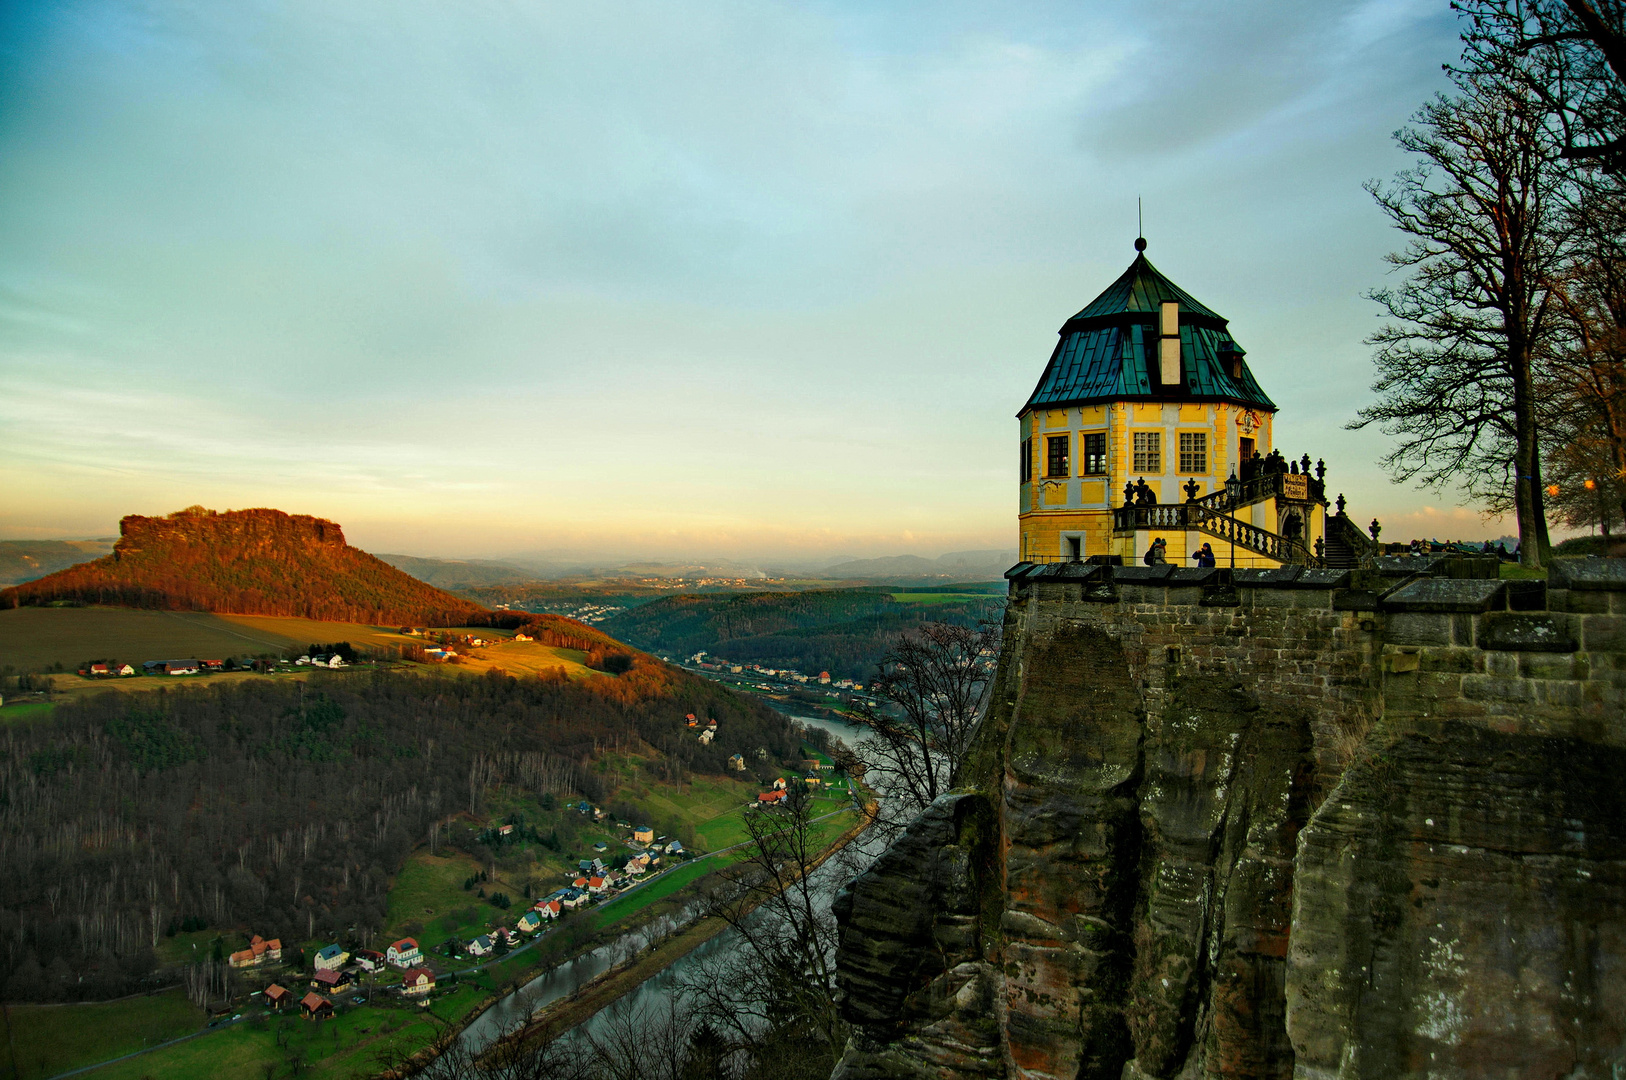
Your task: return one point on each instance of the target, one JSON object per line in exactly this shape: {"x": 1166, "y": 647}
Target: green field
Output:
{"x": 936, "y": 598}
{"x": 48, "y": 1039}
{"x": 35, "y": 638}
{"x": 26, "y": 710}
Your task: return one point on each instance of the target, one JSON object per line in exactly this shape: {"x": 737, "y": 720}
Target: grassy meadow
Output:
{"x": 48, "y": 1039}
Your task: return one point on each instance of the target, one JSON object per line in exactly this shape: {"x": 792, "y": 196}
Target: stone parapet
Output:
{"x": 1270, "y": 823}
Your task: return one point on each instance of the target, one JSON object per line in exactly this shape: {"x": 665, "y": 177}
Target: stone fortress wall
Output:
{"x": 1269, "y": 823}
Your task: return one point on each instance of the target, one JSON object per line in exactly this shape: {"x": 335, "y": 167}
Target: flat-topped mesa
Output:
{"x": 248, "y": 562}
{"x": 1270, "y": 823}
{"x": 197, "y": 525}
{"x": 1147, "y": 393}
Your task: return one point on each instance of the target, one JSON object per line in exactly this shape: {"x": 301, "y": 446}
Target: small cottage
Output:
{"x": 530, "y": 922}
{"x": 417, "y": 982}
{"x": 314, "y": 1006}
{"x": 480, "y": 946}
{"x": 643, "y": 834}
{"x": 277, "y": 996}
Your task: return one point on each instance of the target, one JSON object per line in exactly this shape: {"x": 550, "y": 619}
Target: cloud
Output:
{"x": 538, "y": 268}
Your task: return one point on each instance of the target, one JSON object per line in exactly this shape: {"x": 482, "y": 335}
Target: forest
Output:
{"x": 286, "y": 807}
{"x": 248, "y": 562}
{"x": 843, "y": 631}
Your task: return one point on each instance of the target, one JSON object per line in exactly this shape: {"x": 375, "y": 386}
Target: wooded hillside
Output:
{"x": 285, "y": 808}
{"x": 248, "y": 562}
{"x": 842, "y": 631}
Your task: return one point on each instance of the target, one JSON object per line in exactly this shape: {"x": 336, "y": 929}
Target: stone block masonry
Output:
{"x": 1271, "y": 824}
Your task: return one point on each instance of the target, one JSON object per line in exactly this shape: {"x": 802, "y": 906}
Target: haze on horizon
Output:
{"x": 735, "y": 280}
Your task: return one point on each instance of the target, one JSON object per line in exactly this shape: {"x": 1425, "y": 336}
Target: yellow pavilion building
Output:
{"x": 1145, "y": 411}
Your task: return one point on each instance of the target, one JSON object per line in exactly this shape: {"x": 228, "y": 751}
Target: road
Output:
{"x": 223, "y": 1025}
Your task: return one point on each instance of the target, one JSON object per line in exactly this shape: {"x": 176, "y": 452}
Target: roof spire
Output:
{"x": 1140, "y": 227}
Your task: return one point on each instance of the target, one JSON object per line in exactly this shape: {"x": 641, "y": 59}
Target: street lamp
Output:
{"x": 1233, "y": 495}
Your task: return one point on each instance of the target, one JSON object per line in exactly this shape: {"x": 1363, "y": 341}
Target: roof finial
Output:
{"x": 1140, "y": 227}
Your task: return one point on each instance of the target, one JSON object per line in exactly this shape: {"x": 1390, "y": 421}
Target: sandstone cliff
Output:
{"x": 1300, "y": 826}
{"x": 247, "y": 562}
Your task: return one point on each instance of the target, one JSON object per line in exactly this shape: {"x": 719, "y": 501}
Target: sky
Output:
{"x": 729, "y": 280}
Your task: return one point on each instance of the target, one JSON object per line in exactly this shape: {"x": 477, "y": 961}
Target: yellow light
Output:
{"x": 1552, "y": 489}
{"x": 1591, "y": 484}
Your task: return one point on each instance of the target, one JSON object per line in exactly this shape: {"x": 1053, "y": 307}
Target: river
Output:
{"x": 567, "y": 978}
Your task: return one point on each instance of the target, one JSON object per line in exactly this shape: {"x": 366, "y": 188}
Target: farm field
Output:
{"x": 35, "y": 638}
{"x": 525, "y": 658}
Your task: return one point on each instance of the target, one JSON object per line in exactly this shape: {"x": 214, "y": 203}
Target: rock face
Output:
{"x": 247, "y": 562}
{"x": 1274, "y": 828}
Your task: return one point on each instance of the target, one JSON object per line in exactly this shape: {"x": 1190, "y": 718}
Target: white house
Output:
{"x": 403, "y": 953}
{"x": 331, "y": 958}
{"x": 480, "y": 946}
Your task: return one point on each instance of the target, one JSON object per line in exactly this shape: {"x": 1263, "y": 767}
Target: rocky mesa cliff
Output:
{"x": 247, "y": 562}
{"x": 1304, "y": 823}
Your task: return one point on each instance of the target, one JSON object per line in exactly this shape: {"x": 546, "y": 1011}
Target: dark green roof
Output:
{"x": 1108, "y": 351}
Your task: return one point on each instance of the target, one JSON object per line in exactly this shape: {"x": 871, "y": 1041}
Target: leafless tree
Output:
{"x": 933, "y": 683}
{"x": 771, "y": 998}
{"x": 1583, "y": 387}
{"x": 1569, "y": 56}
{"x": 1456, "y": 360}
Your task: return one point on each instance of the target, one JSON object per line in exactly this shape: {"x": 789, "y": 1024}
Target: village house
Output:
{"x": 675, "y": 847}
{"x": 779, "y": 784}
{"x": 737, "y": 762}
{"x": 643, "y": 834}
{"x": 503, "y": 936}
{"x": 573, "y": 899}
{"x": 370, "y": 960}
{"x": 549, "y": 909}
{"x": 771, "y": 798}
{"x": 276, "y": 996}
{"x": 331, "y": 958}
{"x": 522, "y": 637}
{"x": 480, "y": 946}
{"x": 329, "y": 981}
{"x": 403, "y": 953}
{"x": 636, "y": 866}
{"x": 417, "y": 982}
{"x": 530, "y": 922}
{"x": 316, "y": 1007}
{"x": 180, "y": 667}
{"x": 505, "y": 830}
{"x": 595, "y": 885}
{"x": 708, "y": 735}
{"x": 259, "y": 951}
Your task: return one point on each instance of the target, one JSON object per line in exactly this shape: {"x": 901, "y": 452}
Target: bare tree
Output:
{"x": 934, "y": 682}
{"x": 771, "y": 999}
{"x": 1456, "y": 378}
{"x": 1583, "y": 387}
{"x": 1567, "y": 55}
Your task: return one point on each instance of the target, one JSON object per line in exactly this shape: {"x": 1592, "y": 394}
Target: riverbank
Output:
{"x": 569, "y": 1012}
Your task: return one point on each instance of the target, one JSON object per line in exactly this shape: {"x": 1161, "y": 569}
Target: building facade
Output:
{"x": 1146, "y": 408}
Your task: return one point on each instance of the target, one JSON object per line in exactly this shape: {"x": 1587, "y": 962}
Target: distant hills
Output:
{"x": 248, "y": 562}
{"x": 452, "y": 573}
{"x": 842, "y": 631}
{"x": 25, "y": 560}
{"x": 987, "y": 565}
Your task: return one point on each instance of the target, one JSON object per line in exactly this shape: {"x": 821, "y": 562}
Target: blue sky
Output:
{"x": 729, "y": 279}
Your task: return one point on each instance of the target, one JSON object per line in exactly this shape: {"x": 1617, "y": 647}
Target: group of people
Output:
{"x": 1272, "y": 462}
{"x": 1157, "y": 554}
